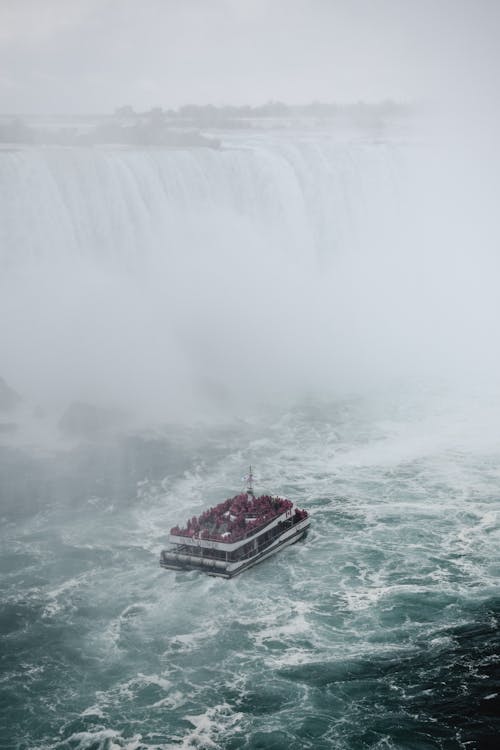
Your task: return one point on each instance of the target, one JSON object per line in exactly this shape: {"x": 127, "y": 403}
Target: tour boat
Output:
{"x": 235, "y": 534}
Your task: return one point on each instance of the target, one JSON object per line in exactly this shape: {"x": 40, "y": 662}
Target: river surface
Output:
{"x": 381, "y": 630}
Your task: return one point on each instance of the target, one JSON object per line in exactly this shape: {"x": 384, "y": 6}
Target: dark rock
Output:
{"x": 88, "y": 421}
{"x": 9, "y": 398}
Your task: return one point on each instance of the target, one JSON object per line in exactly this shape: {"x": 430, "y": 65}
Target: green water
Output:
{"x": 380, "y": 631}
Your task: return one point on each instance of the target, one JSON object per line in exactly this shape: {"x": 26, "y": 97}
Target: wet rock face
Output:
{"x": 9, "y": 398}
{"x": 88, "y": 421}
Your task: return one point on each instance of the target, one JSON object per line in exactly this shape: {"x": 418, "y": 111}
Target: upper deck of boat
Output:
{"x": 234, "y": 519}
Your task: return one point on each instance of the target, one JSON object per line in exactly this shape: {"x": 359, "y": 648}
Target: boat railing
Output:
{"x": 226, "y": 522}
{"x": 230, "y": 538}
{"x": 289, "y": 523}
{"x": 299, "y": 515}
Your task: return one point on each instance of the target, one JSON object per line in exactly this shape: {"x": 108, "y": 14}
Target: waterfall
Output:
{"x": 180, "y": 272}
{"x": 307, "y": 200}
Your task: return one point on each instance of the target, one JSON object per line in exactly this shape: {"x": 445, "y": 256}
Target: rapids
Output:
{"x": 380, "y": 631}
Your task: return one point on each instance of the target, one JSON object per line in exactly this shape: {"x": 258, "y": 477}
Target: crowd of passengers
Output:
{"x": 236, "y": 518}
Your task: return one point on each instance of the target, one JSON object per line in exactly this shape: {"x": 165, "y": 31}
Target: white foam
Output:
{"x": 209, "y": 725}
{"x": 104, "y": 739}
{"x": 93, "y": 711}
{"x": 58, "y": 597}
{"x": 296, "y": 625}
{"x": 175, "y": 700}
{"x": 129, "y": 688}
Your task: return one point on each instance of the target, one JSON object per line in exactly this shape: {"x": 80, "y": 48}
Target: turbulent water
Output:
{"x": 263, "y": 280}
{"x": 381, "y": 630}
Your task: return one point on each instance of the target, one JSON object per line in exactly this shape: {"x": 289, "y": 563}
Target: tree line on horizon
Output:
{"x": 273, "y": 109}
{"x": 181, "y": 127}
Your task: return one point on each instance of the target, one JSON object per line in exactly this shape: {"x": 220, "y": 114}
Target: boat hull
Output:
{"x": 173, "y": 561}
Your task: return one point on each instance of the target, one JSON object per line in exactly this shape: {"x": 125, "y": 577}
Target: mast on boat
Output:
{"x": 250, "y": 482}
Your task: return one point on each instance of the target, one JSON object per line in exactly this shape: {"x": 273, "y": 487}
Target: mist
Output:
{"x": 233, "y": 233}
{"x": 313, "y": 261}
{"x": 172, "y": 282}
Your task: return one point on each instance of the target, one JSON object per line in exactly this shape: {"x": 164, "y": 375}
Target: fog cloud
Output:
{"x": 89, "y": 56}
{"x": 281, "y": 263}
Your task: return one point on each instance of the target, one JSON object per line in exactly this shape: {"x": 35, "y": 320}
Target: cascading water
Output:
{"x": 259, "y": 279}
{"x": 301, "y": 198}
{"x": 200, "y": 261}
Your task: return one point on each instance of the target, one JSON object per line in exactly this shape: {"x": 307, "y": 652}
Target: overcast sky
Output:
{"x": 94, "y": 55}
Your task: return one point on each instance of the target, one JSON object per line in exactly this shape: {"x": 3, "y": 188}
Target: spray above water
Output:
{"x": 168, "y": 282}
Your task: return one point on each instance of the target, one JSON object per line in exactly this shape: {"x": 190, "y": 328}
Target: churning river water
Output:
{"x": 381, "y": 630}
